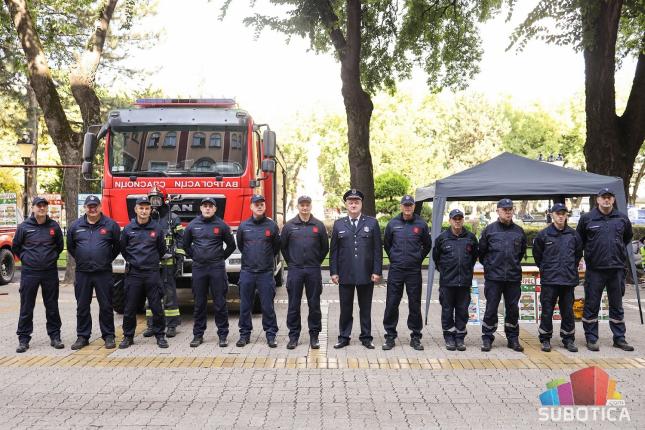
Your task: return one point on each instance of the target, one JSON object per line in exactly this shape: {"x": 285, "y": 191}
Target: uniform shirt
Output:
{"x": 93, "y": 246}
{"x": 38, "y": 245}
{"x": 407, "y": 243}
{"x": 143, "y": 245}
{"x": 304, "y": 244}
{"x": 204, "y": 240}
{"x": 455, "y": 257}
{"x": 557, "y": 254}
{"x": 604, "y": 238}
{"x": 356, "y": 254}
{"x": 501, "y": 249}
{"x": 259, "y": 242}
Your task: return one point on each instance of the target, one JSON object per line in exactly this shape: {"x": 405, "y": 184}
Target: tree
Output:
{"x": 388, "y": 187}
{"x": 606, "y": 31}
{"x": 377, "y": 42}
{"x": 63, "y": 130}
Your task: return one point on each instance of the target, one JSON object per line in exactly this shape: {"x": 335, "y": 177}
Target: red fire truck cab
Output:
{"x": 194, "y": 148}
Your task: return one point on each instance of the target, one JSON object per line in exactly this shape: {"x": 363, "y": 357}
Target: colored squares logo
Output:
{"x": 591, "y": 386}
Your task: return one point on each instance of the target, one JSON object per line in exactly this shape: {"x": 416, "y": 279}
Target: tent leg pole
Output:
{"x": 638, "y": 298}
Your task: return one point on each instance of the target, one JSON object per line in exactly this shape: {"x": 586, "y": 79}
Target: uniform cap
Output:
{"x": 456, "y": 212}
{"x": 92, "y": 200}
{"x": 210, "y": 200}
{"x": 604, "y": 191}
{"x": 37, "y": 200}
{"x": 559, "y": 207}
{"x": 257, "y": 198}
{"x": 407, "y": 200}
{"x": 143, "y": 200}
{"x": 505, "y": 204}
{"x": 353, "y": 194}
{"x": 303, "y": 199}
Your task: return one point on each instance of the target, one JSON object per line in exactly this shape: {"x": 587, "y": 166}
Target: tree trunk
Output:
{"x": 612, "y": 142}
{"x": 358, "y": 107}
{"x": 33, "y": 119}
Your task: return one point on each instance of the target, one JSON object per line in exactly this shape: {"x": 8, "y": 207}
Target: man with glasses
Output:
{"x": 605, "y": 233}
{"x": 502, "y": 246}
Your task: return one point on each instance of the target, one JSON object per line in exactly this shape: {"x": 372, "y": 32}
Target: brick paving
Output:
{"x": 256, "y": 386}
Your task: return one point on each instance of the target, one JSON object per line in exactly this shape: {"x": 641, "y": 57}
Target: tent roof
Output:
{"x": 510, "y": 175}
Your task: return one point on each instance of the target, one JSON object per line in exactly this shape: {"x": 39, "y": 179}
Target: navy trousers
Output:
{"x": 346, "y": 320}
{"x": 493, "y": 291}
{"x": 30, "y": 280}
{"x": 397, "y": 279}
{"x": 84, "y": 285}
{"x": 213, "y": 280}
{"x": 264, "y": 284}
{"x": 563, "y": 295}
{"x": 595, "y": 282}
{"x": 140, "y": 285}
{"x": 310, "y": 280}
{"x": 454, "y": 311}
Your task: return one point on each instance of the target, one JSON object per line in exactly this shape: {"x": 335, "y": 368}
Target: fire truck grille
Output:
{"x": 187, "y": 207}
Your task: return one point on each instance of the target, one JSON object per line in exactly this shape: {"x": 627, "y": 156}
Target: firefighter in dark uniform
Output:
{"x": 407, "y": 242}
{"x": 454, "y": 255}
{"x": 171, "y": 262}
{"x": 208, "y": 241}
{"x": 304, "y": 246}
{"x": 557, "y": 251}
{"x": 502, "y": 246}
{"x": 142, "y": 246}
{"x": 258, "y": 239}
{"x": 93, "y": 241}
{"x": 38, "y": 242}
{"x": 605, "y": 233}
{"x": 355, "y": 263}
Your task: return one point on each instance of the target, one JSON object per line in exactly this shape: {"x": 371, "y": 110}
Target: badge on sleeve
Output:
{"x": 315, "y": 229}
{"x": 416, "y": 230}
{"x": 216, "y": 230}
{"x": 153, "y": 234}
{"x": 103, "y": 231}
{"x": 52, "y": 232}
{"x": 267, "y": 233}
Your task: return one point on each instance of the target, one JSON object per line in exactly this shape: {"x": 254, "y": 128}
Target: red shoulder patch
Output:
{"x": 267, "y": 233}
{"x": 416, "y": 230}
{"x": 52, "y": 232}
{"x": 153, "y": 234}
{"x": 216, "y": 230}
{"x": 315, "y": 229}
{"x": 103, "y": 231}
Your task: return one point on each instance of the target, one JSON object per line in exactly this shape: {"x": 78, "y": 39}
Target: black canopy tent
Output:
{"x": 516, "y": 177}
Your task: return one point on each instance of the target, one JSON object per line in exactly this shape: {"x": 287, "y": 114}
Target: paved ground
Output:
{"x": 255, "y": 386}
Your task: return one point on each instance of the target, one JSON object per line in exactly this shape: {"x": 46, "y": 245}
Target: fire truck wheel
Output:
{"x": 7, "y": 266}
{"x": 118, "y": 295}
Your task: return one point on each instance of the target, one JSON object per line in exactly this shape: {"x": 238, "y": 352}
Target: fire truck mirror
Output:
{"x": 89, "y": 146}
{"x": 268, "y": 140}
{"x": 268, "y": 165}
{"x": 86, "y": 169}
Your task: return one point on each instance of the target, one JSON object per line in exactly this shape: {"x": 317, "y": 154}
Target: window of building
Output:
{"x": 158, "y": 166}
{"x": 153, "y": 140}
{"x": 199, "y": 140}
{"x": 235, "y": 141}
{"x": 170, "y": 140}
{"x": 215, "y": 140}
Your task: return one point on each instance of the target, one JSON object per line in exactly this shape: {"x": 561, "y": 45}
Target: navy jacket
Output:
{"x": 38, "y": 245}
{"x": 93, "y": 246}
{"x": 501, "y": 249}
{"x": 304, "y": 244}
{"x": 407, "y": 243}
{"x": 259, "y": 242}
{"x": 143, "y": 245}
{"x": 557, "y": 254}
{"x": 204, "y": 240}
{"x": 455, "y": 258}
{"x": 604, "y": 238}
{"x": 356, "y": 255}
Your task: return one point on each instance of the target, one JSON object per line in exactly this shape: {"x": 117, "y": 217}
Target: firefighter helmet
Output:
{"x": 157, "y": 196}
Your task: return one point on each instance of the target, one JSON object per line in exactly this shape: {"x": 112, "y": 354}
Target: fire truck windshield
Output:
{"x": 205, "y": 152}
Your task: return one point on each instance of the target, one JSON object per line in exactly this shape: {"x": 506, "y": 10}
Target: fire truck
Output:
{"x": 193, "y": 148}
